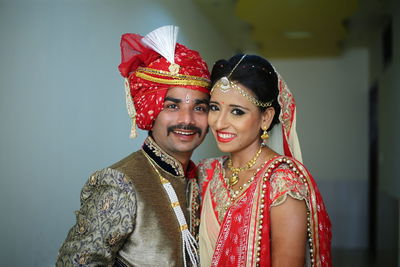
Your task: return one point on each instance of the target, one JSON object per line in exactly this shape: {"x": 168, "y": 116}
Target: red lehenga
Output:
{"x": 238, "y": 233}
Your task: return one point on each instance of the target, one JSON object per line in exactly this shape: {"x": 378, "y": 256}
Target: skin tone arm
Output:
{"x": 289, "y": 233}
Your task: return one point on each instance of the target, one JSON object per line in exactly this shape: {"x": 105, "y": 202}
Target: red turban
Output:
{"x": 150, "y": 75}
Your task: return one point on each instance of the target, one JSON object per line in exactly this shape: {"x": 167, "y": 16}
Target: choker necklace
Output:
{"x": 234, "y": 179}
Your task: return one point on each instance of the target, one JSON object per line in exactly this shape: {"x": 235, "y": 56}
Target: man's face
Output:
{"x": 182, "y": 124}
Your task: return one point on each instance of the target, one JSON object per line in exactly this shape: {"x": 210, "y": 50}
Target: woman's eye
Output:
{"x": 213, "y": 107}
{"x": 237, "y": 112}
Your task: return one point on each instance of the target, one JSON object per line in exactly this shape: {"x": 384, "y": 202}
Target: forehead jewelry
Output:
{"x": 187, "y": 99}
{"x": 225, "y": 85}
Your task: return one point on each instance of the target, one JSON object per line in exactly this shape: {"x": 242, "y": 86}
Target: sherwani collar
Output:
{"x": 166, "y": 161}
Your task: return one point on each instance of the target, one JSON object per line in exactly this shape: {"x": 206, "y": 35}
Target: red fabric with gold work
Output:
{"x": 241, "y": 228}
{"x": 148, "y": 96}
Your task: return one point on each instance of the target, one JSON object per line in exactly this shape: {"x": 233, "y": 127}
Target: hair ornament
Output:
{"x": 225, "y": 85}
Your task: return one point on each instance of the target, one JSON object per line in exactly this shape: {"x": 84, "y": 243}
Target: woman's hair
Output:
{"x": 256, "y": 74}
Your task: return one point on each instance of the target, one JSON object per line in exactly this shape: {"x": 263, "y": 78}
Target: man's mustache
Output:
{"x": 189, "y": 127}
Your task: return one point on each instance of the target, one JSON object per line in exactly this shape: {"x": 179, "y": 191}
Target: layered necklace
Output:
{"x": 234, "y": 178}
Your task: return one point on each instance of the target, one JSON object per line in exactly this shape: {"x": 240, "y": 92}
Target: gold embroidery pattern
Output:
{"x": 105, "y": 219}
{"x": 194, "y": 208}
{"x": 284, "y": 182}
{"x": 287, "y": 103}
{"x": 219, "y": 192}
{"x": 164, "y": 156}
{"x": 177, "y": 79}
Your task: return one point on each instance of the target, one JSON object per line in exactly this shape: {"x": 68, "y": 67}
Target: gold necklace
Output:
{"x": 234, "y": 178}
{"x": 234, "y": 194}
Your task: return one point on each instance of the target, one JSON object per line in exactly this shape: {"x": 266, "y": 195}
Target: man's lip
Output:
{"x": 225, "y": 137}
{"x": 184, "y": 132}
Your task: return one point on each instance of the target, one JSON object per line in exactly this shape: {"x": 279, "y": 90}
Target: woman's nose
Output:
{"x": 218, "y": 121}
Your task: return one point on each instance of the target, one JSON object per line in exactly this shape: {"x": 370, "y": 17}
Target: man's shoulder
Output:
{"x": 133, "y": 165}
{"x": 135, "y": 158}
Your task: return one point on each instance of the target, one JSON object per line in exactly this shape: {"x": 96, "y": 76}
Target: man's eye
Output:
{"x": 201, "y": 108}
{"x": 237, "y": 112}
{"x": 171, "y": 106}
{"x": 213, "y": 108}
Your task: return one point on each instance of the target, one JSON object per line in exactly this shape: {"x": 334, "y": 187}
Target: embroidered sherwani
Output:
{"x": 126, "y": 219}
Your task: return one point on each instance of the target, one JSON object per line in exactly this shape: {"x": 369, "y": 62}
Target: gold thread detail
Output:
{"x": 171, "y": 82}
{"x": 224, "y": 84}
{"x": 168, "y": 74}
{"x": 175, "y": 204}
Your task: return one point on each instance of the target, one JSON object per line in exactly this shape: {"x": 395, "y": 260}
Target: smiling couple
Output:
{"x": 257, "y": 206}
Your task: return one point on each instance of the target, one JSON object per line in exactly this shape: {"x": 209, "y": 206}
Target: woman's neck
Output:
{"x": 242, "y": 157}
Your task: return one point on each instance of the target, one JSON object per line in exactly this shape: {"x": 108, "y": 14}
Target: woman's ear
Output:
{"x": 267, "y": 117}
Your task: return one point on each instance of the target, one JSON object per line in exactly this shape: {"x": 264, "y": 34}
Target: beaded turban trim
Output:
{"x": 170, "y": 78}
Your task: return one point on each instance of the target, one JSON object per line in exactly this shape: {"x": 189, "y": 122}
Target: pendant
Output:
{"x": 234, "y": 179}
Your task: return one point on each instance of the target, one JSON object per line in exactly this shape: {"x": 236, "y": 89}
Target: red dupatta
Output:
{"x": 244, "y": 237}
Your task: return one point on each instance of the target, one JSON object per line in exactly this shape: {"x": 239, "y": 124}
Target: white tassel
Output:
{"x": 131, "y": 109}
{"x": 163, "y": 41}
{"x": 191, "y": 247}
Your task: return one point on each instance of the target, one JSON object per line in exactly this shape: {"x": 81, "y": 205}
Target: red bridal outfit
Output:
{"x": 238, "y": 233}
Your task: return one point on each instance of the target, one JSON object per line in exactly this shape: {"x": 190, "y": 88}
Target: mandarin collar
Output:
{"x": 164, "y": 160}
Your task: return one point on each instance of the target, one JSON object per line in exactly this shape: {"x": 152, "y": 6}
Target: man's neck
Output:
{"x": 183, "y": 159}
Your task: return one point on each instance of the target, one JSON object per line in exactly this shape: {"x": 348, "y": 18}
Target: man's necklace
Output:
{"x": 189, "y": 242}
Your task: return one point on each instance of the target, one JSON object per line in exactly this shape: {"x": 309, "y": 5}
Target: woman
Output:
{"x": 261, "y": 207}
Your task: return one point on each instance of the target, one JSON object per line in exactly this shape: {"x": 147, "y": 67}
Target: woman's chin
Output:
{"x": 225, "y": 148}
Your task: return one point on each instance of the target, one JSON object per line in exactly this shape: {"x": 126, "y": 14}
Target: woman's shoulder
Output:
{"x": 287, "y": 178}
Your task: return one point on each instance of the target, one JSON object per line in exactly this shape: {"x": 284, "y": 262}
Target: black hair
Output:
{"x": 256, "y": 74}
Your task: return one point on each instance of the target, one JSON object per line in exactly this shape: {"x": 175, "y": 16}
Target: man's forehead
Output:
{"x": 183, "y": 93}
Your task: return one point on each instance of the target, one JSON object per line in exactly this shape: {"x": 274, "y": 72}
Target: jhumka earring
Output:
{"x": 264, "y": 136}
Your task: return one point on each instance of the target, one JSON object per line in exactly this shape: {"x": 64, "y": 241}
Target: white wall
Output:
{"x": 62, "y": 107}
{"x": 332, "y": 98}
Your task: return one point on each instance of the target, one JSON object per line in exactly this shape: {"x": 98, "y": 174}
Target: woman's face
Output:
{"x": 234, "y": 120}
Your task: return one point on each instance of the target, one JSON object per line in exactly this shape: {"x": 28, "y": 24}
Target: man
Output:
{"x": 143, "y": 210}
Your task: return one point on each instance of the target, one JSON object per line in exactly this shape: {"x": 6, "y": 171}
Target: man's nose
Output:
{"x": 186, "y": 116}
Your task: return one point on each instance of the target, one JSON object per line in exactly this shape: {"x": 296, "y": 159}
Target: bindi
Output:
{"x": 187, "y": 99}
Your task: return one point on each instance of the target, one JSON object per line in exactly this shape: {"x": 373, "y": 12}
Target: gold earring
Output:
{"x": 264, "y": 135}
